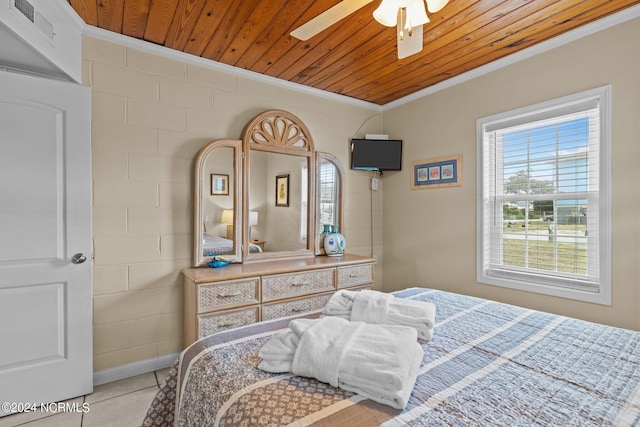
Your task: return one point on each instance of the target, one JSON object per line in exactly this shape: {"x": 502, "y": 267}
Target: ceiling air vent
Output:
{"x": 41, "y": 23}
{"x": 26, "y": 9}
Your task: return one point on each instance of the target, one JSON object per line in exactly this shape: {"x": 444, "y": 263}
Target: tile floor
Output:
{"x": 121, "y": 403}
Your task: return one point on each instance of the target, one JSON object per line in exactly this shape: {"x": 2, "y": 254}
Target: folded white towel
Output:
{"x": 381, "y": 308}
{"x": 380, "y": 362}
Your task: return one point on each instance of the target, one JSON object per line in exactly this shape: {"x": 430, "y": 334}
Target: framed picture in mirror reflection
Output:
{"x": 282, "y": 190}
{"x": 219, "y": 184}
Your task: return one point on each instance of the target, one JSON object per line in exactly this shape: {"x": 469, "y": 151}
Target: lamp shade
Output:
{"x": 253, "y": 218}
{"x": 436, "y": 5}
{"x": 227, "y": 216}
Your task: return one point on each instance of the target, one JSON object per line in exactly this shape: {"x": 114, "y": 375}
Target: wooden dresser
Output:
{"x": 217, "y": 299}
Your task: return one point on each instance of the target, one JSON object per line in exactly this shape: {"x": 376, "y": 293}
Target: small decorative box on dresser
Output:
{"x": 217, "y": 299}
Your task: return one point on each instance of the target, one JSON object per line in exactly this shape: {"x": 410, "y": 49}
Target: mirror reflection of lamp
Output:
{"x": 227, "y": 218}
{"x": 253, "y": 220}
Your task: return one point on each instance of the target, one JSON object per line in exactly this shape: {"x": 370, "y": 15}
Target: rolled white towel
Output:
{"x": 340, "y": 304}
{"x": 381, "y": 308}
{"x": 277, "y": 353}
{"x": 380, "y": 362}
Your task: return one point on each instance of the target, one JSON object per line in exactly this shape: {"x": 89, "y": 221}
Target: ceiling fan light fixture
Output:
{"x": 387, "y": 13}
{"x": 416, "y": 14}
{"x": 435, "y": 5}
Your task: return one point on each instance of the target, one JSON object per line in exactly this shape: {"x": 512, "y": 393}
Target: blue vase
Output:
{"x": 325, "y": 232}
{"x": 334, "y": 242}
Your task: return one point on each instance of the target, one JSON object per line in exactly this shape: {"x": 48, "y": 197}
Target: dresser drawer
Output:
{"x": 221, "y": 321}
{"x": 355, "y": 275}
{"x": 291, "y": 308}
{"x": 281, "y": 286}
{"x": 228, "y": 294}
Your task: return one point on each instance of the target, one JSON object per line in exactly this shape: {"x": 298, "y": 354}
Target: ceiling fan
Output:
{"x": 407, "y": 15}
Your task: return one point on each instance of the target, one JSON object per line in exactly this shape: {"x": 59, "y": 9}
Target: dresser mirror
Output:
{"x": 280, "y": 192}
{"x": 329, "y": 179}
{"x": 280, "y": 177}
{"x": 218, "y": 205}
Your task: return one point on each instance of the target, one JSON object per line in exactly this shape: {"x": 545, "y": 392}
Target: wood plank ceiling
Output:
{"x": 355, "y": 57}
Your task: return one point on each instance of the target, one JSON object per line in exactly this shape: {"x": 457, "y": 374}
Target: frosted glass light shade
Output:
{"x": 416, "y": 14}
{"x": 387, "y": 13}
{"x": 436, "y": 5}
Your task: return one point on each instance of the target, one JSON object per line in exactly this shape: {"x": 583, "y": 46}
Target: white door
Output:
{"x": 45, "y": 220}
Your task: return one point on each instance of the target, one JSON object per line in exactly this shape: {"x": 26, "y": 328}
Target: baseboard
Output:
{"x": 133, "y": 369}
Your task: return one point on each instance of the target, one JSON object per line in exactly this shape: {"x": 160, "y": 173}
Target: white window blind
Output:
{"x": 543, "y": 210}
{"x": 328, "y": 194}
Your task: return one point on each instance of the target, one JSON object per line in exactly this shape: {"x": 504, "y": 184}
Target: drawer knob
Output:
{"x": 231, "y": 295}
{"x": 228, "y": 324}
{"x": 298, "y": 310}
{"x": 356, "y": 275}
{"x": 300, "y": 284}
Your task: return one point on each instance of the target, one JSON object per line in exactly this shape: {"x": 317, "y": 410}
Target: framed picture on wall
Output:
{"x": 437, "y": 173}
{"x": 219, "y": 184}
{"x": 282, "y": 190}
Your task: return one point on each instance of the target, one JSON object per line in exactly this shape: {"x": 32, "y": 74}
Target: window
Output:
{"x": 544, "y": 203}
{"x": 328, "y": 196}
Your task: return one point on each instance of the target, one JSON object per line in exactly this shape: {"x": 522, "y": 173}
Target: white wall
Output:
{"x": 430, "y": 235}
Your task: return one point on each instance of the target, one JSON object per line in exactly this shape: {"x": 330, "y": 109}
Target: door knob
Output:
{"x": 78, "y": 259}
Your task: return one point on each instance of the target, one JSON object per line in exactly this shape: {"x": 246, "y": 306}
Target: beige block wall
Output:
{"x": 434, "y": 243}
{"x": 151, "y": 115}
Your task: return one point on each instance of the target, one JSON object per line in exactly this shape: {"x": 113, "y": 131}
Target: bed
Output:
{"x": 488, "y": 364}
{"x": 221, "y": 246}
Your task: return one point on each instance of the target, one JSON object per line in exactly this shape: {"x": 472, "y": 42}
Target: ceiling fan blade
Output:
{"x": 410, "y": 44}
{"x": 328, "y": 18}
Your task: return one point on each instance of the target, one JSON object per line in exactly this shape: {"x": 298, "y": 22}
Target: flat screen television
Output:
{"x": 376, "y": 154}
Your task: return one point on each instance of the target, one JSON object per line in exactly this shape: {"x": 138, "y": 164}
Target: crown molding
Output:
{"x": 166, "y": 52}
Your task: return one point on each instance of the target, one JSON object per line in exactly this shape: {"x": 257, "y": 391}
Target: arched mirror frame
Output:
{"x": 298, "y": 134}
{"x": 279, "y": 131}
{"x": 200, "y": 186}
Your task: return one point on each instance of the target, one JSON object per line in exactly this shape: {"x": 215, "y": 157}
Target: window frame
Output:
{"x": 547, "y": 285}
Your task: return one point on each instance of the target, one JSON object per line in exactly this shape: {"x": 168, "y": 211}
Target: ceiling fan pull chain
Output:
{"x": 403, "y": 18}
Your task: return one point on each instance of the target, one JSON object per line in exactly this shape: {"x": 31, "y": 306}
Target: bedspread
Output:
{"x": 221, "y": 246}
{"x": 488, "y": 364}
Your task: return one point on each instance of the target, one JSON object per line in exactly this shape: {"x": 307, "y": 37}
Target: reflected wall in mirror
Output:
{"x": 278, "y": 228}
{"x": 218, "y": 211}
